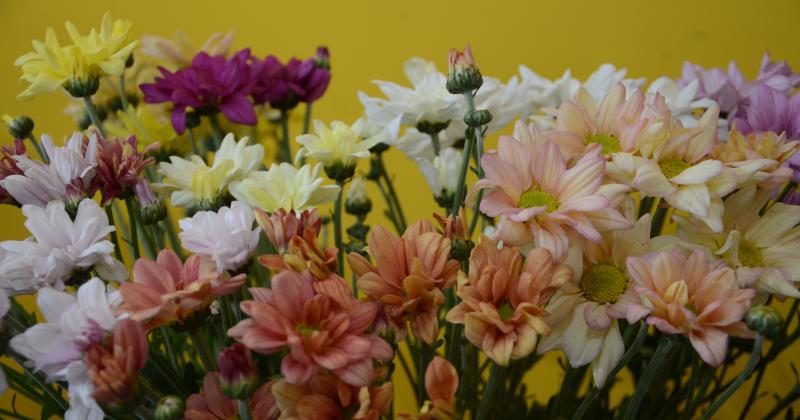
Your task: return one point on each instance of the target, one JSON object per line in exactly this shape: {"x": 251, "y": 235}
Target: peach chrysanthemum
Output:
{"x": 757, "y": 158}
{"x": 689, "y": 295}
{"x": 408, "y": 277}
{"x": 502, "y": 305}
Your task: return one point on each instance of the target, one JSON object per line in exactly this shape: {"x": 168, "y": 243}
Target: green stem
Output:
{"x": 437, "y": 147}
{"x": 114, "y": 239}
{"x": 216, "y": 130}
{"x": 489, "y": 392}
{"x": 157, "y": 237}
{"x": 751, "y": 365}
{"x": 168, "y": 347}
{"x": 123, "y": 97}
{"x": 784, "y": 403}
{"x": 173, "y": 237}
{"x": 406, "y": 368}
{"x": 193, "y": 142}
{"x": 201, "y": 344}
{"x": 392, "y": 192}
{"x": 633, "y": 350}
{"x": 470, "y": 96}
{"x": 134, "y": 231}
{"x": 244, "y": 410}
{"x": 422, "y": 364}
{"x": 645, "y": 205}
{"x": 663, "y": 349}
{"x": 39, "y": 149}
{"x": 337, "y": 232}
{"x": 688, "y": 410}
{"x": 389, "y": 206}
{"x": 92, "y": 111}
{"x": 658, "y": 219}
{"x": 286, "y": 148}
{"x": 462, "y": 176}
{"x": 306, "y": 127}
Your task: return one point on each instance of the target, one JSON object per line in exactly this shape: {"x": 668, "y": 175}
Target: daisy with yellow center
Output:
{"x": 77, "y": 66}
{"x": 540, "y": 199}
{"x": 583, "y": 313}
{"x": 337, "y": 147}
{"x": 761, "y": 249}
{"x": 285, "y": 187}
{"x": 202, "y": 187}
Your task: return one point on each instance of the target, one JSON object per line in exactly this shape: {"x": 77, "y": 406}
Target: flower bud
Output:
{"x": 374, "y": 173}
{"x": 478, "y": 117}
{"x": 463, "y": 74}
{"x": 238, "y": 373}
{"x": 151, "y": 209}
{"x": 170, "y": 407}
{"x": 323, "y": 58}
{"x": 20, "y": 127}
{"x": 431, "y": 128}
{"x": 358, "y": 231}
{"x": 82, "y": 88}
{"x": 461, "y": 248}
{"x": 764, "y": 320}
{"x": 356, "y": 245}
{"x": 192, "y": 119}
{"x": 357, "y": 202}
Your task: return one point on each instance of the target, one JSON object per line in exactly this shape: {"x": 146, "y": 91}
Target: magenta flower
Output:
{"x": 770, "y": 110}
{"x": 210, "y": 84}
{"x": 283, "y": 86}
{"x": 8, "y": 167}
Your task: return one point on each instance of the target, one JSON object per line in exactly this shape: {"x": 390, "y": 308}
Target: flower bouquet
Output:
{"x": 651, "y": 232}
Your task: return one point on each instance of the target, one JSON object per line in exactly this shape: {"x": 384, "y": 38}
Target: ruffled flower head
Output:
{"x": 213, "y": 404}
{"x": 689, "y": 295}
{"x": 318, "y": 334}
{"x": 281, "y": 226}
{"x": 114, "y": 367}
{"x": 8, "y": 167}
{"x": 337, "y": 147}
{"x": 502, "y": 307}
{"x": 758, "y": 159}
{"x": 441, "y": 384}
{"x": 211, "y": 84}
{"x": 286, "y": 187}
{"x": 769, "y": 110}
{"x": 283, "y": 86}
{"x": 408, "y": 277}
{"x": 119, "y": 165}
{"x": 227, "y": 235}
{"x": 168, "y": 290}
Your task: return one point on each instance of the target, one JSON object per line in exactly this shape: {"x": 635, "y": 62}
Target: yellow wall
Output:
{"x": 371, "y": 39}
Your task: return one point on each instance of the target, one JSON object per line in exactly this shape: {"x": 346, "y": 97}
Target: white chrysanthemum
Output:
{"x": 57, "y": 346}
{"x": 681, "y": 100}
{"x": 285, "y": 187}
{"x": 761, "y": 249}
{"x": 66, "y": 178}
{"x": 227, "y": 236}
{"x": 442, "y": 173}
{"x": 545, "y": 93}
{"x": 5, "y": 305}
{"x": 337, "y": 144}
{"x": 194, "y": 183}
{"x": 59, "y": 246}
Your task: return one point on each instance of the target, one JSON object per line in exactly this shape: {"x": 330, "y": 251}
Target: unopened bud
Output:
{"x": 82, "y": 88}
{"x": 463, "y": 74}
{"x": 445, "y": 199}
{"x": 20, "y": 127}
{"x": 238, "y": 373}
{"x": 357, "y": 202}
{"x": 323, "y": 58}
{"x": 764, "y": 320}
{"x": 460, "y": 249}
{"x": 358, "y": 231}
{"x": 478, "y": 118}
{"x": 170, "y": 407}
{"x": 151, "y": 209}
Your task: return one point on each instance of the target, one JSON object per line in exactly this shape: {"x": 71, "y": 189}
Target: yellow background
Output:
{"x": 371, "y": 39}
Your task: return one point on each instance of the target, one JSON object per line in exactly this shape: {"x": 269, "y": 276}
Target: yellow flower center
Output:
{"x": 506, "y": 311}
{"x": 603, "y": 283}
{"x": 535, "y": 197}
{"x": 610, "y": 143}
{"x": 749, "y": 254}
{"x": 306, "y": 329}
{"x": 673, "y": 167}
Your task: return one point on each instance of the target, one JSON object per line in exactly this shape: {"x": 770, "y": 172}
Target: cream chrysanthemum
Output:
{"x": 285, "y": 187}
{"x": 757, "y": 158}
{"x": 337, "y": 147}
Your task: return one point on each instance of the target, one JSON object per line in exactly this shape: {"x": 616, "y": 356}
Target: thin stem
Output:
{"x": 406, "y": 368}
{"x": 751, "y": 365}
{"x": 422, "y": 363}
{"x": 39, "y": 149}
{"x": 489, "y": 392}
{"x": 633, "y": 350}
{"x": 392, "y": 192}
{"x": 663, "y": 349}
{"x": 646, "y": 205}
{"x": 92, "y": 111}
{"x": 462, "y": 176}
{"x": 244, "y": 410}
{"x": 286, "y": 148}
{"x": 389, "y": 206}
{"x": 753, "y": 392}
{"x": 173, "y": 237}
{"x": 157, "y": 236}
{"x": 201, "y": 344}
{"x": 193, "y": 142}
{"x": 689, "y": 408}
{"x": 436, "y": 145}
{"x": 306, "y": 126}
{"x": 216, "y": 130}
{"x": 784, "y": 403}
{"x": 470, "y": 96}
{"x": 658, "y": 220}
{"x": 123, "y": 97}
{"x": 134, "y": 231}
{"x": 114, "y": 239}
{"x": 337, "y": 232}
{"x": 168, "y": 347}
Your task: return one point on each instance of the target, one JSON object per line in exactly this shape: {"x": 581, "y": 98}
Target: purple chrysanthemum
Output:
{"x": 770, "y": 110}
{"x": 209, "y": 84}
{"x": 283, "y": 86}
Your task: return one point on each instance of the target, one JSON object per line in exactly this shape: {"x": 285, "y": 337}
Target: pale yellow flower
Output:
{"x": 285, "y": 187}
{"x": 101, "y": 53}
{"x": 149, "y": 129}
{"x": 340, "y": 144}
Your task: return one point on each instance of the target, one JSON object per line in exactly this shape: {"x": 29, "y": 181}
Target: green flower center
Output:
{"x": 535, "y": 197}
{"x": 673, "y": 167}
{"x": 506, "y": 311}
{"x": 305, "y": 329}
{"x": 610, "y": 143}
{"x": 603, "y": 283}
{"x": 749, "y": 254}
